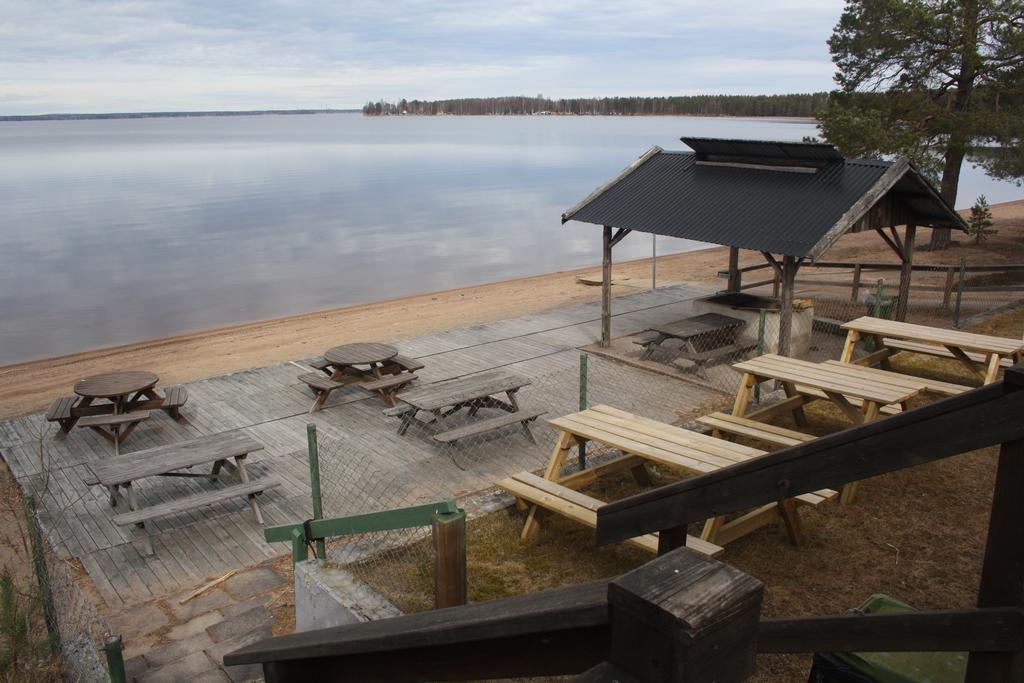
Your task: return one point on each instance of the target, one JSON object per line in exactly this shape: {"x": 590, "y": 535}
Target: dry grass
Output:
{"x": 917, "y": 535}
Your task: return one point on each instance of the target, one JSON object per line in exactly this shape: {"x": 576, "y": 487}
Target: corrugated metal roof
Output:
{"x": 779, "y": 211}
{"x": 764, "y": 149}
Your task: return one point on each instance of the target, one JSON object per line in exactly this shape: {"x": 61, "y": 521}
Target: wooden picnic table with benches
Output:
{"x": 860, "y": 393}
{"x": 373, "y": 366}
{"x": 223, "y": 451}
{"x": 982, "y": 354}
{"x": 705, "y": 338}
{"x": 472, "y": 393}
{"x": 129, "y": 397}
{"x": 640, "y": 440}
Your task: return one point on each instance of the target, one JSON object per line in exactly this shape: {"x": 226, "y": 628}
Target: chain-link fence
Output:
{"x": 64, "y": 631}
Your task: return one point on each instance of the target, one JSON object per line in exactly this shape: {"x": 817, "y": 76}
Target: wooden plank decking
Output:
{"x": 360, "y": 451}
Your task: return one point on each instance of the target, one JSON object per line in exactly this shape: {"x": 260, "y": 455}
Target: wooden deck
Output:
{"x": 271, "y": 405}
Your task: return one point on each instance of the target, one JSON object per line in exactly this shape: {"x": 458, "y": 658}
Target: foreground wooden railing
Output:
{"x": 686, "y": 617}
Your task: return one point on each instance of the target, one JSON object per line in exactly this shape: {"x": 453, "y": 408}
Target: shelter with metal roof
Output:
{"x": 788, "y": 201}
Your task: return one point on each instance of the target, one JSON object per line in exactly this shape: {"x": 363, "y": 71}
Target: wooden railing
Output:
{"x": 685, "y": 617}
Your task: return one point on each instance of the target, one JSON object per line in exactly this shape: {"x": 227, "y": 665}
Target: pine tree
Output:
{"x": 980, "y": 223}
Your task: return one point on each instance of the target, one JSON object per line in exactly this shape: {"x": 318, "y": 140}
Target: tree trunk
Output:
{"x": 955, "y": 154}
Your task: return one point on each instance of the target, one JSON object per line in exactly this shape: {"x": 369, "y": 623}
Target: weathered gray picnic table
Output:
{"x": 472, "y": 392}
{"x": 705, "y": 338}
{"x": 224, "y": 451}
{"x": 366, "y": 363}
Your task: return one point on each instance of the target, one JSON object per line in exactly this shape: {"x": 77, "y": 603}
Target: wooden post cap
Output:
{"x": 685, "y": 617}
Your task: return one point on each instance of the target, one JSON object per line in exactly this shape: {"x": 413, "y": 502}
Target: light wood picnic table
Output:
{"x": 980, "y": 353}
{"x": 472, "y": 392}
{"x": 859, "y": 392}
{"x": 642, "y": 439}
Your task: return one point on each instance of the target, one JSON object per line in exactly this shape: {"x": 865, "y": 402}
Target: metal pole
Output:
{"x": 654, "y": 261}
{"x": 314, "y": 483}
{"x": 583, "y": 405}
{"x": 115, "y": 659}
{"x": 960, "y": 291}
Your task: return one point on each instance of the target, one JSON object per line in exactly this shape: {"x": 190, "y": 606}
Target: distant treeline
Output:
{"x": 169, "y": 114}
{"x": 799, "y": 104}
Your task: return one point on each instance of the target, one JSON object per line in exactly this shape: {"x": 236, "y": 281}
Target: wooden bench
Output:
{"x": 742, "y": 426}
{"x": 321, "y": 387}
{"x": 114, "y": 428}
{"x": 523, "y": 417}
{"x": 402, "y": 363}
{"x": 389, "y": 386}
{"x": 227, "y": 450}
{"x": 582, "y": 508}
{"x": 941, "y": 351}
{"x": 932, "y": 385}
{"x": 60, "y": 411}
{"x": 174, "y": 398}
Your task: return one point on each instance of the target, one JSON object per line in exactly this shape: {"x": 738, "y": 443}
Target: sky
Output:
{"x": 140, "y": 55}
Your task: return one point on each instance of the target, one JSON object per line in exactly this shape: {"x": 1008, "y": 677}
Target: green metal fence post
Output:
{"x": 300, "y": 551}
{"x": 583, "y": 405}
{"x": 42, "y": 574}
{"x": 115, "y": 659}
{"x": 314, "y": 483}
{"x": 761, "y": 316}
{"x": 960, "y": 291}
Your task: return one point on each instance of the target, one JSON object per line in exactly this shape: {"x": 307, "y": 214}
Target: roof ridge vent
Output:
{"x": 800, "y": 157}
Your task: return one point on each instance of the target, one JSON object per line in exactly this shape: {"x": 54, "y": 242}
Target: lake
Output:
{"x": 124, "y": 230}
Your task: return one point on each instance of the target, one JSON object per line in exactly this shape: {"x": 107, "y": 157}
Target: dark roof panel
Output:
{"x": 766, "y": 149}
{"x": 799, "y": 212}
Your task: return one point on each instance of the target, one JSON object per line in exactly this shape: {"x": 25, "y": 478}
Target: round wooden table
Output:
{"x": 346, "y": 357}
{"x": 117, "y": 387}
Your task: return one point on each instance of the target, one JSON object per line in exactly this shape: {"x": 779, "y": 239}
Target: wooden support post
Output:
{"x": 906, "y": 271}
{"x": 672, "y": 538}
{"x": 684, "y": 617}
{"x": 1002, "y": 572}
{"x": 855, "y": 288}
{"x": 606, "y": 287}
{"x": 449, "y": 534}
{"x": 735, "y": 276}
{"x": 789, "y": 267}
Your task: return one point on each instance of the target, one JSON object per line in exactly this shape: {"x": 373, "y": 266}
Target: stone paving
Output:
{"x": 165, "y": 641}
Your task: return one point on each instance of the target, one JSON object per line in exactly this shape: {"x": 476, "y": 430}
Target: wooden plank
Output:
{"x": 488, "y": 425}
{"x": 933, "y": 385}
{"x": 195, "y": 501}
{"x": 741, "y": 426}
{"x": 771, "y": 366}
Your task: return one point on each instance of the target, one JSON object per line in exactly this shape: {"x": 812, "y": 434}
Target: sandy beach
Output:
{"x": 29, "y": 387}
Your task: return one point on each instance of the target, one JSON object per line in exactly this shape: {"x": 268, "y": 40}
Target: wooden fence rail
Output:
{"x": 686, "y": 617}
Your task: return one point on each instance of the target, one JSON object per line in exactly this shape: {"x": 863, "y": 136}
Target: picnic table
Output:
{"x": 860, "y": 393}
{"x": 640, "y": 440}
{"x": 126, "y": 399}
{"x": 362, "y": 362}
{"x": 224, "y": 451}
{"x": 443, "y": 399}
{"x": 982, "y": 354}
{"x": 705, "y": 338}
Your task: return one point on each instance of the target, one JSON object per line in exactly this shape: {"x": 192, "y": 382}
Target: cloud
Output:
{"x": 179, "y": 54}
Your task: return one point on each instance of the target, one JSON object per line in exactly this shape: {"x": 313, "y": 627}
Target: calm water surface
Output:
{"x": 123, "y": 230}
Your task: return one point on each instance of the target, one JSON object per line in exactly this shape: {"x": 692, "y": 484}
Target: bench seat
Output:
{"x": 322, "y": 387}
{"x": 198, "y": 500}
{"x": 523, "y": 417}
{"x": 320, "y": 364}
{"x": 891, "y": 409}
{"x": 582, "y": 508}
{"x": 60, "y": 411}
{"x": 112, "y": 420}
{"x": 174, "y": 398}
{"x": 941, "y": 351}
{"x": 404, "y": 363}
{"x": 389, "y": 386}
{"x": 743, "y": 426}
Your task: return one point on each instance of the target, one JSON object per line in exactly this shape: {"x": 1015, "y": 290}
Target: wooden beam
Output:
{"x": 888, "y": 240}
{"x": 735, "y": 277}
{"x": 975, "y": 419}
{"x": 620, "y": 234}
{"x": 789, "y": 268}
{"x": 984, "y": 630}
{"x": 606, "y": 287}
{"x": 906, "y": 272}
{"x": 1002, "y": 572}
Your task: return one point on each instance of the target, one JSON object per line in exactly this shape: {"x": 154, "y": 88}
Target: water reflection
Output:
{"x": 116, "y": 231}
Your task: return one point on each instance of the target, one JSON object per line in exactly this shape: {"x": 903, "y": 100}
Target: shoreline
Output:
{"x": 29, "y": 386}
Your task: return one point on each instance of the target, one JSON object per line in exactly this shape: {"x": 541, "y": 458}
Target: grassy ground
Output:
{"x": 917, "y": 535}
